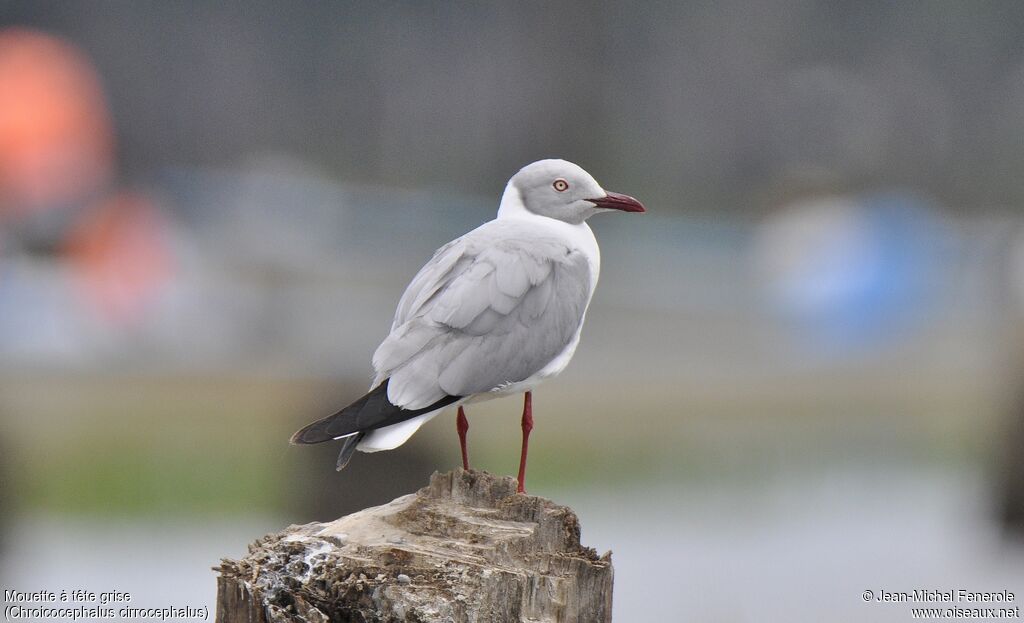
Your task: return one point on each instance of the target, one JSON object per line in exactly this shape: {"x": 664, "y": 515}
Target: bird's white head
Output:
{"x": 560, "y": 190}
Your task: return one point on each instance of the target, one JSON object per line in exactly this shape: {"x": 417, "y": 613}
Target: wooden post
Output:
{"x": 466, "y": 548}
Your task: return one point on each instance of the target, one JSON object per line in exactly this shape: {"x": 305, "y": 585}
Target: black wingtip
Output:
{"x": 347, "y": 450}
{"x": 297, "y": 439}
{"x": 342, "y": 423}
{"x": 312, "y": 433}
{"x": 370, "y": 412}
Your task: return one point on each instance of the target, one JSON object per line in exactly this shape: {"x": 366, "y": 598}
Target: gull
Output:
{"x": 493, "y": 313}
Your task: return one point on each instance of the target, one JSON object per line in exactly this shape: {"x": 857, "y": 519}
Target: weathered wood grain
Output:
{"x": 466, "y": 548}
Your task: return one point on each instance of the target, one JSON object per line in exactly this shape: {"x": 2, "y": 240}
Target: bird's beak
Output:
{"x": 615, "y": 201}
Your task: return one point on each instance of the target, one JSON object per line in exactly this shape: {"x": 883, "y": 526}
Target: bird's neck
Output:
{"x": 579, "y": 235}
{"x": 512, "y": 206}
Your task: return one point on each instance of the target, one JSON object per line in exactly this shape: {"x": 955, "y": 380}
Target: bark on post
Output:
{"x": 466, "y": 548}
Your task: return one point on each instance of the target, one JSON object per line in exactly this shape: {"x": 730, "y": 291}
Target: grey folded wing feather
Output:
{"x": 490, "y": 308}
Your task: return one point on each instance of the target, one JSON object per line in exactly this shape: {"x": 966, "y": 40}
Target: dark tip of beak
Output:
{"x": 615, "y": 201}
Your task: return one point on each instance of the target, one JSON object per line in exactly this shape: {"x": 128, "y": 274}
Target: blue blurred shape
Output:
{"x": 849, "y": 275}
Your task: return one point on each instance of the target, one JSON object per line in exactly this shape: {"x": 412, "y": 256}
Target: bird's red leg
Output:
{"x": 527, "y": 427}
{"x": 462, "y": 425}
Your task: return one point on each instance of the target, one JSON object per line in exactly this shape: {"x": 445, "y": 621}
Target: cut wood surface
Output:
{"x": 466, "y": 548}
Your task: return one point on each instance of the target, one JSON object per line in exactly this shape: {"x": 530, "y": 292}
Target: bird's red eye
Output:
{"x": 560, "y": 185}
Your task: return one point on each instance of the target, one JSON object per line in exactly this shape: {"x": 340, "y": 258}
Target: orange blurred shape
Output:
{"x": 121, "y": 256}
{"x": 56, "y": 143}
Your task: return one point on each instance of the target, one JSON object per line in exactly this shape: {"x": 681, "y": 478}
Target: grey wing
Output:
{"x": 483, "y": 313}
{"x": 434, "y": 275}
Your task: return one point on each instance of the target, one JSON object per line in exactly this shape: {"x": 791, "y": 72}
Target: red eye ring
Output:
{"x": 560, "y": 185}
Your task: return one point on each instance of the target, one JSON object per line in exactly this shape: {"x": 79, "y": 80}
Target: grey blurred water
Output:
{"x": 801, "y": 549}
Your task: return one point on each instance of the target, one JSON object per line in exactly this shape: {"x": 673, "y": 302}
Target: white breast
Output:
{"x": 579, "y": 237}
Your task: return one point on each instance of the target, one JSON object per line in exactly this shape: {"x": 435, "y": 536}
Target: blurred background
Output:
{"x": 802, "y": 373}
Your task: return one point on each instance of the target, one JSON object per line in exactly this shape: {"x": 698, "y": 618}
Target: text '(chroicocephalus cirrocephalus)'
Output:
{"x": 493, "y": 313}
